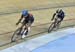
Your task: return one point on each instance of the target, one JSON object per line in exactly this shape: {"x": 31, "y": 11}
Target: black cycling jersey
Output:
{"x": 28, "y": 19}
{"x": 59, "y": 15}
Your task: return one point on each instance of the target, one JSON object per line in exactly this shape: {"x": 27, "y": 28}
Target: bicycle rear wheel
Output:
{"x": 51, "y": 27}
{"x": 15, "y": 35}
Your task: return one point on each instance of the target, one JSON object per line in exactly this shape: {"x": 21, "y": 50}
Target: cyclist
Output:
{"x": 28, "y": 19}
{"x": 58, "y": 16}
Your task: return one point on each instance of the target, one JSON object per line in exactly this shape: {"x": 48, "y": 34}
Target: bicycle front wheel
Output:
{"x": 15, "y": 35}
{"x": 50, "y": 27}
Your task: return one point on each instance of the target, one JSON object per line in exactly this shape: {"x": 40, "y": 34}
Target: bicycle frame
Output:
{"x": 53, "y": 25}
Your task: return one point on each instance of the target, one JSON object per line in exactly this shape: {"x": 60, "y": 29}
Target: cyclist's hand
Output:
{"x": 17, "y": 23}
{"x": 51, "y": 19}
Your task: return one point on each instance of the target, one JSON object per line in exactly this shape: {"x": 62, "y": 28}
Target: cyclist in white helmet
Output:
{"x": 28, "y": 19}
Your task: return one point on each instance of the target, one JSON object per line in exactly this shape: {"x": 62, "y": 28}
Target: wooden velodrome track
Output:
{"x": 10, "y": 11}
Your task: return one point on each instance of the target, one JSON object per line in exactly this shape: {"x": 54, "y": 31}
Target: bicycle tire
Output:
{"x": 51, "y": 27}
{"x": 15, "y": 35}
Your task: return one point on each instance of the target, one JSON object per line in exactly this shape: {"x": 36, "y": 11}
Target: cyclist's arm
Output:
{"x": 53, "y": 16}
{"x": 63, "y": 14}
{"x": 19, "y": 20}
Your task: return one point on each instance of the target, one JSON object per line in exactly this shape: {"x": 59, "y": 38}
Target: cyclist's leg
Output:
{"x": 21, "y": 29}
{"x": 59, "y": 22}
{"x": 29, "y": 25}
{"x": 24, "y": 30}
{"x": 55, "y": 22}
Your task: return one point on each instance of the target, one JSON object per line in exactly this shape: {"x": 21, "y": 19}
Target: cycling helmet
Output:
{"x": 25, "y": 12}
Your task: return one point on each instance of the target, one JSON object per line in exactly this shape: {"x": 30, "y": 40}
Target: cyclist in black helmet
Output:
{"x": 28, "y": 19}
{"x": 58, "y": 16}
